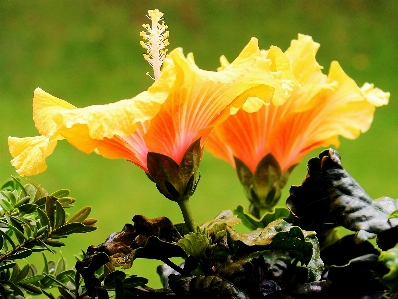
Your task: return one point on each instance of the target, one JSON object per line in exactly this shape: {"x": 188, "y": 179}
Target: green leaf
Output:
{"x": 389, "y": 259}
{"x": 280, "y": 235}
{"x": 30, "y": 288}
{"x": 50, "y": 211}
{"x": 54, "y": 243}
{"x": 31, "y": 191}
{"x": 7, "y": 265}
{"x": 393, "y": 214}
{"x": 60, "y": 193}
{"x": 15, "y": 272}
{"x": 155, "y": 248}
{"x": 195, "y": 244}
{"x": 44, "y": 220}
{"x": 16, "y": 289}
{"x": 119, "y": 289}
{"x": 134, "y": 281}
{"x": 253, "y": 223}
{"x": 32, "y": 279}
{"x": 80, "y": 215}
{"x": 22, "y": 201}
{"x": 8, "y": 239}
{"x": 20, "y": 254}
{"x": 19, "y": 234}
{"x": 22, "y": 274}
{"x": 224, "y": 219}
{"x": 10, "y": 196}
{"x": 65, "y": 293}
{"x": 21, "y": 187}
{"x": 66, "y": 202}
{"x": 45, "y": 268}
{"x": 60, "y": 215}
{"x": 110, "y": 280}
{"x": 61, "y": 266}
{"x": 71, "y": 228}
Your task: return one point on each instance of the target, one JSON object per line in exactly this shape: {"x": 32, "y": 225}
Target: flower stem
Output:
{"x": 187, "y": 214}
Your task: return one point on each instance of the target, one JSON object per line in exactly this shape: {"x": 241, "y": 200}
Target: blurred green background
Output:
{"x": 88, "y": 52}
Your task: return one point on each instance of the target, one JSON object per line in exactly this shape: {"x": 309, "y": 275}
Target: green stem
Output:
{"x": 187, "y": 214}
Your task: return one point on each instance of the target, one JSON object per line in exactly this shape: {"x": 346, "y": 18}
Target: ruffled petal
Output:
{"x": 29, "y": 153}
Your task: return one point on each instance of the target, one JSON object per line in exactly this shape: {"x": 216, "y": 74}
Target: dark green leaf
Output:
{"x": 44, "y": 220}
{"x": 22, "y": 201}
{"x": 110, "y": 280}
{"x": 30, "y": 288}
{"x": 205, "y": 287}
{"x": 32, "y": 279}
{"x": 65, "y": 276}
{"x": 60, "y": 193}
{"x": 65, "y": 293}
{"x": 8, "y": 239}
{"x": 119, "y": 289}
{"x": 45, "y": 268}
{"x": 1, "y": 242}
{"x": 60, "y": 215}
{"x": 50, "y": 211}
{"x": 71, "y": 228}
{"x": 6, "y": 265}
{"x": 16, "y": 289}
{"x": 20, "y": 254}
{"x": 15, "y": 272}
{"x": 55, "y": 281}
{"x": 134, "y": 281}
{"x": 41, "y": 231}
{"x": 19, "y": 234}
{"x": 160, "y": 250}
{"x": 49, "y": 295}
{"x": 54, "y": 243}
{"x": 22, "y": 274}
{"x": 80, "y": 215}
{"x": 27, "y": 208}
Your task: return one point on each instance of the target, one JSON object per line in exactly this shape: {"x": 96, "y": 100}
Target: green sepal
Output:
{"x": 389, "y": 259}
{"x": 263, "y": 187}
{"x": 254, "y": 223}
{"x": 176, "y": 181}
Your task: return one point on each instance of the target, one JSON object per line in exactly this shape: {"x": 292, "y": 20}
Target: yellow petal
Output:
{"x": 375, "y": 95}
{"x": 30, "y": 153}
{"x": 44, "y": 108}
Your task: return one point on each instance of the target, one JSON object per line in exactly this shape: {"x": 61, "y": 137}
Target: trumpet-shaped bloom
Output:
{"x": 319, "y": 110}
{"x": 183, "y": 105}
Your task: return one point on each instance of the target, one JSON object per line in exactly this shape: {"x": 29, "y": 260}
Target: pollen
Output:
{"x": 155, "y": 41}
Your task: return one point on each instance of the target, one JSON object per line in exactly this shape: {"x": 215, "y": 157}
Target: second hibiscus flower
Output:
{"x": 264, "y": 142}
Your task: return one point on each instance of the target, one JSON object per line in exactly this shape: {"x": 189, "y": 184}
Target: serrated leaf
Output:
{"x": 155, "y": 248}
{"x": 224, "y": 219}
{"x": 60, "y": 215}
{"x": 195, "y": 244}
{"x": 80, "y": 215}
{"x": 30, "y": 288}
{"x": 60, "y": 193}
